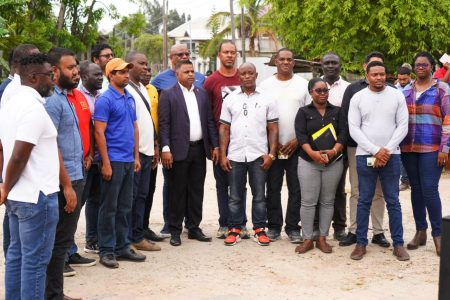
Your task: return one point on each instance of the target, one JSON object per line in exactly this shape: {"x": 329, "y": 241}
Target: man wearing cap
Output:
{"x": 117, "y": 139}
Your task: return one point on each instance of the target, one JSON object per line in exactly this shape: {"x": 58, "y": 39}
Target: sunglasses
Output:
{"x": 183, "y": 54}
{"x": 421, "y": 66}
{"x": 321, "y": 91}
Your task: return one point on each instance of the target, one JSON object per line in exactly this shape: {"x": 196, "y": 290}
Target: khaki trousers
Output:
{"x": 378, "y": 204}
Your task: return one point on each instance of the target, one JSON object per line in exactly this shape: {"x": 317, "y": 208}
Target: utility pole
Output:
{"x": 242, "y": 34}
{"x": 233, "y": 30}
{"x": 165, "y": 8}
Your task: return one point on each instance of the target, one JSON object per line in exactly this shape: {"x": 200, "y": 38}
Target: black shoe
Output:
{"x": 175, "y": 240}
{"x": 381, "y": 240}
{"x": 339, "y": 235}
{"x": 131, "y": 255}
{"x": 197, "y": 234}
{"x": 76, "y": 260}
{"x": 109, "y": 261}
{"x": 152, "y": 236}
{"x": 349, "y": 240}
{"x": 68, "y": 271}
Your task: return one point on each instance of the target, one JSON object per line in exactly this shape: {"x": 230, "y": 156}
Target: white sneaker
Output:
{"x": 222, "y": 232}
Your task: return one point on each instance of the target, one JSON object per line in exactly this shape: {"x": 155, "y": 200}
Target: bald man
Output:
{"x": 163, "y": 81}
{"x": 248, "y": 137}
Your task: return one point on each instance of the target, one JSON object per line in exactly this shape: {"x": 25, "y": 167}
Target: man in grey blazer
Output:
{"x": 187, "y": 135}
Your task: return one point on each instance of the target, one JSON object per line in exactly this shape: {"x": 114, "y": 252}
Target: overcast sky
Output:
{"x": 196, "y": 8}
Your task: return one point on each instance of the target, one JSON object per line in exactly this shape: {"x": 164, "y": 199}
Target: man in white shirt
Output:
{"x": 289, "y": 92}
{"x": 187, "y": 135}
{"x": 148, "y": 150}
{"x": 378, "y": 122}
{"x": 31, "y": 179}
{"x": 331, "y": 66}
{"x": 248, "y": 144}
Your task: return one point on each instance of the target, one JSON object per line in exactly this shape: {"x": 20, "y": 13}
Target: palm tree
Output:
{"x": 255, "y": 24}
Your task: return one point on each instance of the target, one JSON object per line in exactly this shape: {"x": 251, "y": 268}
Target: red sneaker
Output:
{"x": 233, "y": 237}
{"x": 260, "y": 237}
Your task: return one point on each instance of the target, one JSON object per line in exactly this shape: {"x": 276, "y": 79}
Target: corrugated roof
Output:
{"x": 197, "y": 27}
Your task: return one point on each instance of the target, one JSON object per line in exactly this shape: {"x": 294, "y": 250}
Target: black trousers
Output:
{"x": 274, "y": 184}
{"x": 64, "y": 238}
{"x": 186, "y": 181}
{"x": 340, "y": 200}
{"x": 149, "y": 200}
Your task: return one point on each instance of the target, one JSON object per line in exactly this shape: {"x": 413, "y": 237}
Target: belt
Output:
{"x": 194, "y": 143}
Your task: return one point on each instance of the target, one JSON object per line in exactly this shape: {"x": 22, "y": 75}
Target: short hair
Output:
{"x": 403, "y": 71}
{"x": 313, "y": 82}
{"x": 84, "y": 67}
{"x": 428, "y": 56}
{"x": 225, "y": 42}
{"x": 55, "y": 54}
{"x": 283, "y": 49}
{"x": 375, "y": 64}
{"x": 20, "y": 52}
{"x": 10, "y": 58}
{"x": 131, "y": 55}
{"x": 406, "y": 65}
{"x": 37, "y": 59}
{"x": 182, "y": 62}
{"x": 373, "y": 54}
{"x": 95, "y": 53}
{"x": 331, "y": 53}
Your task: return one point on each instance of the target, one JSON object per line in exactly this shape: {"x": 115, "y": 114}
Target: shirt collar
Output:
{"x": 336, "y": 83}
{"x": 311, "y": 105}
{"x": 33, "y": 93}
{"x": 59, "y": 91}
{"x": 86, "y": 91}
{"x": 116, "y": 94}
{"x": 183, "y": 88}
{"x": 257, "y": 91}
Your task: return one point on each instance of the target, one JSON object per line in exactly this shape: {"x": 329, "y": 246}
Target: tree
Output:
{"x": 151, "y": 45}
{"x": 353, "y": 28}
{"x": 255, "y": 23}
{"x": 154, "y": 13}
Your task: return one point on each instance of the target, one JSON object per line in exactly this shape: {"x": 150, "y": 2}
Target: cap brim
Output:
{"x": 123, "y": 66}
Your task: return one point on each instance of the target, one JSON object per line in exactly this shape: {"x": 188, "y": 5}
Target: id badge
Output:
{"x": 370, "y": 161}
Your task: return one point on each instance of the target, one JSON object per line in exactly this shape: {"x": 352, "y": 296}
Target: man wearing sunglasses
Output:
{"x": 163, "y": 81}
{"x": 101, "y": 55}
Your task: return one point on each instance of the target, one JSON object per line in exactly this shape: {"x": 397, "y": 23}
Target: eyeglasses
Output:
{"x": 321, "y": 91}
{"x": 183, "y": 54}
{"x": 421, "y": 66}
{"x": 109, "y": 55}
{"x": 50, "y": 74}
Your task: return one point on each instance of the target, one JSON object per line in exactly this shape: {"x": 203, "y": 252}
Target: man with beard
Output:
{"x": 378, "y": 122}
{"x": 117, "y": 139}
{"x": 30, "y": 166}
{"x": 86, "y": 127}
{"x": 290, "y": 93}
{"x": 219, "y": 85}
{"x": 90, "y": 86}
{"x": 101, "y": 55}
{"x": 148, "y": 151}
{"x": 331, "y": 66}
{"x": 63, "y": 115}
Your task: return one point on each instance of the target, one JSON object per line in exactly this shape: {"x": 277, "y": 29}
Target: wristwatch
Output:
{"x": 272, "y": 157}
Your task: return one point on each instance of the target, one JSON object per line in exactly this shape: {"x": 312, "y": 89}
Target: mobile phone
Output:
{"x": 370, "y": 161}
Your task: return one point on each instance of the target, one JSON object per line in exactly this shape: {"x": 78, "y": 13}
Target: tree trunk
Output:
{"x": 62, "y": 13}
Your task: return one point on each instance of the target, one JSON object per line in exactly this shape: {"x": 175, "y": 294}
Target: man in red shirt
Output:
{"x": 219, "y": 85}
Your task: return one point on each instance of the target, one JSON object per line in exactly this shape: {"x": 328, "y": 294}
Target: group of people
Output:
{"x": 93, "y": 133}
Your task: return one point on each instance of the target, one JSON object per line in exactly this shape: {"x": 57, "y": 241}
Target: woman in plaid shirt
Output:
{"x": 425, "y": 148}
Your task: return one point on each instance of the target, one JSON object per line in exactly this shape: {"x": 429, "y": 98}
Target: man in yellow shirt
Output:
{"x": 153, "y": 95}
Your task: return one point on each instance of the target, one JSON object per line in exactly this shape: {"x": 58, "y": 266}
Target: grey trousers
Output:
{"x": 318, "y": 185}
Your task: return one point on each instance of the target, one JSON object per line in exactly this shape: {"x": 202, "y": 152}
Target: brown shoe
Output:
{"x": 400, "y": 253}
{"x": 323, "y": 246}
{"x": 419, "y": 239}
{"x": 70, "y": 298}
{"x": 305, "y": 247}
{"x": 437, "y": 244}
{"x": 359, "y": 252}
{"x": 145, "y": 245}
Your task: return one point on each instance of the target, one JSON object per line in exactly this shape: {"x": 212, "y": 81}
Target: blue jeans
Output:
{"x": 116, "y": 198}
{"x": 140, "y": 191}
{"x": 32, "y": 228}
{"x": 367, "y": 178}
{"x": 424, "y": 174}
{"x": 6, "y": 234}
{"x": 222, "y": 187}
{"x": 238, "y": 180}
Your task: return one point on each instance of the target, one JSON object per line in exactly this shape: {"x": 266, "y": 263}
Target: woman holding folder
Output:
{"x": 321, "y": 135}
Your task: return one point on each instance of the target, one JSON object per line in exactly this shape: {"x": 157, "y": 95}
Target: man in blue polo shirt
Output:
{"x": 117, "y": 139}
{"x": 163, "y": 81}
